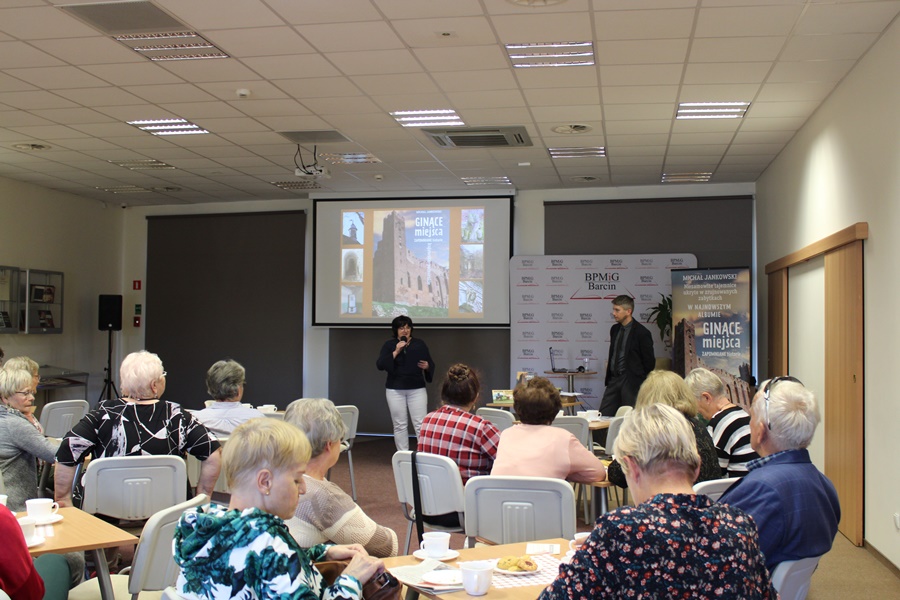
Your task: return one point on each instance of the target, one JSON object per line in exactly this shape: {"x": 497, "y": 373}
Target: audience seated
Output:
{"x": 21, "y": 445}
{"x": 138, "y": 423}
{"x": 672, "y": 543}
{"x": 794, "y": 505}
{"x": 453, "y": 431}
{"x": 728, "y": 424}
{"x": 225, "y": 384}
{"x": 325, "y": 512}
{"x": 246, "y": 550}
{"x": 30, "y": 365}
{"x": 537, "y": 449}
{"x": 666, "y": 387}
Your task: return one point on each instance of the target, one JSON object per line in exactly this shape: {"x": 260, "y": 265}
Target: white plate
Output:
{"x": 443, "y": 577}
{"x": 517, "y": 573}
{"x": 49, "y": 520}
{"x": 451, "y": 554}
{"x": 35, "y": 541}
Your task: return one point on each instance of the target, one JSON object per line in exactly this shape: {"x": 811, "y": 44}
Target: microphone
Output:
{"x": 403, "y": 339}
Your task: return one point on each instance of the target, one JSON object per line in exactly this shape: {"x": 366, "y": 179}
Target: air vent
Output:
{"x": 314, "y": 137}
{"x": 480, "y": 137}
{"x": 117, "y": 18}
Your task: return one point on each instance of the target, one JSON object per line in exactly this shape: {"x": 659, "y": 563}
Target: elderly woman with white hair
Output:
{"x": 325, "y": 512}
{"x": 139, "y": 422}
{"x": 225, "y": 383}
{"x": 672, "y": 543}
{"x": 30, "y": 365}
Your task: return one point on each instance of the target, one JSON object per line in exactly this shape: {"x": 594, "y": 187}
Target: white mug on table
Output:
{"x": 27, "y": 524}
{"x": 436, "y": 543}
{"x": 3, "y": 499}
{"x": 477, "y": 576}
{"x": 579, "y": 540}
{"x": 41, "y": 508}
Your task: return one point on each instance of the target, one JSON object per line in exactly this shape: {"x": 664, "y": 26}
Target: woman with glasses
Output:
{"x": 30, "y": 365}
{"x": 138, "y": 423}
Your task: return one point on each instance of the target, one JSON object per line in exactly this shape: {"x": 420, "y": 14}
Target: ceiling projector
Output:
{"x": 312, "y": 173}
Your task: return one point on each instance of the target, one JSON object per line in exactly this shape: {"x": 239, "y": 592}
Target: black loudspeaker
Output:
{"x": 110, "y": 318}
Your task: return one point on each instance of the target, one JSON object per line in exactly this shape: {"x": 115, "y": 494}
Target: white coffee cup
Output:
{"x": 593, "y": 414}
{"x": 3, "y": 499}
{"x": 436, "y": 543}
{"x": 41, "y": 509}
{"x": 582, "y": 413}
{"x": 477, "y": 576}
{"x": 27, "y": 524}
{"x": 578, "y": 542}
{"x": 267, "y": 408}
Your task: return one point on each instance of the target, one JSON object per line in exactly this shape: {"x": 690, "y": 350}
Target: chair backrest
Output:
{"x": 440, "y": 483}
{"x": 792, "y": 577}
{"x": 58, "y": 418}
{"x": 507, "y": 510}
{"x": 612, "y": 432}
{"x": 134, "y": 487}
{"x": 624, "y": 410}
{"x": 502, "y": 419}
{"x": 154, "y": 565}
{"x": 577, "y": 426}
{"x": 714, "y": 488}
{"x": 350, "y": 415}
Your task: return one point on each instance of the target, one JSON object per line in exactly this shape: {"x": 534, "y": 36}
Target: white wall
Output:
{"x": 44, "y": 229}
{"x": 841, "y": 168}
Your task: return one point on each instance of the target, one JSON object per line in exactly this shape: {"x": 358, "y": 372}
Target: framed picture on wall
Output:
{"x": 45, "y": 318}
{"x": 43, "y": 293}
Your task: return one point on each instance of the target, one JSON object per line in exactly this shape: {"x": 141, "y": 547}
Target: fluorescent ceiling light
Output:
{"x": 712, "y": 110}
{"x": 180, "y": 45}
{"x": 125, "y": 189}
{"x": 141, "y": 164}
{"x": 686, "y": 177}
{"x": 557, "y": 54}
{"x": 586, "y": 152}
{"x": 349, "y": 158}
{"x": 297, "y": 185}
{"x": 486, "y": 180}
{"x": 168, "y": 126}
{"x": 427, "y": 118}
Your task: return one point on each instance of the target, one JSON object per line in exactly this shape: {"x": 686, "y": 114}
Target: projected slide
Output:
{"x": 428, "y": 259}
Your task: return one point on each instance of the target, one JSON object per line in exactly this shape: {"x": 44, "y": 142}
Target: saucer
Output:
{"x": 48, "y": 520}
{"x": 421, "y": 555}
{"x": 444, "y": 577}
{"x": 35, "y": 541}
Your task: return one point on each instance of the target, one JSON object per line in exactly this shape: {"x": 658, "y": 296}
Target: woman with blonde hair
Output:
{"x": 666, "y": 387}
{"x": 245, "y": 550}
{"x": 672, "y": 543}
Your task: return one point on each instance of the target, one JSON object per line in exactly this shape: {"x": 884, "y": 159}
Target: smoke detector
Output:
{"x": 573, "y": 128}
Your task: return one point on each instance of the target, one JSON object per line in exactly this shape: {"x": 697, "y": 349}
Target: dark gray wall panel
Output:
{"x": 227, "y": 286}
{"x": 718, "y": 231}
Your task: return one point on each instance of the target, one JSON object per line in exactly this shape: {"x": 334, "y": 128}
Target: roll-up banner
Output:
{"x": 711, "y": 318}
{"x": 564, "y": 303}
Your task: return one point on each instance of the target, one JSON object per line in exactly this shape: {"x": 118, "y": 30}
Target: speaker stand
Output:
{"x": 109, "y": 386}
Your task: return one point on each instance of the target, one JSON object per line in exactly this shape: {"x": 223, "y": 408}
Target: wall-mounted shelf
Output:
{"x": 41, "y": 300}
{"x": 9, "y": 300}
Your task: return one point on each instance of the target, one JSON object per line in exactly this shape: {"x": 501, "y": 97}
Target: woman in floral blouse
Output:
{"x": 245, "y": 550}
{"x": 673, "y": 543}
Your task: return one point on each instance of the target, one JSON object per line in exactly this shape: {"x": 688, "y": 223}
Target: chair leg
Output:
{"x": 352, "y": 478}
{"x": 408, "y": 537}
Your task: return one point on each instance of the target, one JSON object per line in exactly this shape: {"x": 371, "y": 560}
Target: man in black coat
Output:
{"x": 631, "y": 358}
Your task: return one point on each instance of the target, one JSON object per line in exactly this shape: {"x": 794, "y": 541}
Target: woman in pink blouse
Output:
{"x": 535, "y": 448}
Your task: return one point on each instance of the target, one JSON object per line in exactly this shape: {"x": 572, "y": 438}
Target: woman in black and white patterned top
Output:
{"x": 139, "y": 423}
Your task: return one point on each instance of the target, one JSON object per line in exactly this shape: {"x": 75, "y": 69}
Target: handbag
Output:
{"x": 383, "y": 587}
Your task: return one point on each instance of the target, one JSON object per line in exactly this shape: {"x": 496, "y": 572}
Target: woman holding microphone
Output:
{"x": 409, "y": 368}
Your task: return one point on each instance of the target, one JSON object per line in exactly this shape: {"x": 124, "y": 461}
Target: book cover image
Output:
{"x": 45, "y": 319}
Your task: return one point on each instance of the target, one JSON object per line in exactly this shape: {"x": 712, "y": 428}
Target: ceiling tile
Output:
{"x": 416, "y": 9}
{"x": 33, "y": 100}
{"x": 319, "y": 87}
{"x": 206, "y": 15}
{"x": 634, "y": 52}
{"x": 463, "y": 59}
{"x": 266, "y": 108}
{"x": 644, "y": 24}
{"x": 782, "y": 109}
{"x": 375, "y": 61}
{"x": 89, "y": 51}
{"x": 389, "y": 84}
{"x": 181, "y": 92}
{"x": 626, "y": 112}
{"x": 477, "y": 117}
{"x": 43, "y": 22}
{"x": 72, "y": 115}
{"x": 219, "y": 69}
{"x": 627, "y": 94}
{"x": 567, "y": 114}
{"x": 713, "y": 73}
{"x": 542, "y": 27}
{"x": 227, "y": 90}
{"x": 261, "y": 41}
{"x": 550, "y": 97}
{"x": 828, "y": 47}
{"x": 561, "y": 77}
{"x": 772, "y": 124}
{"x": 342, "y": 106}
{"x": 14, "y": 55}
{"x": 446, "y": 32}
{"x": 351, "y": 37}
{"x": 735, "y": 92}
{"x": 747, "y": 21}
{"x": 469, "y": 81}
{"x": 638, "y": 127}
{"x": 860, "y": 17}
{"x": 53, "y": 78}
{"x": 396, "y": 102}
{"x": 786, "y": 92}
{"x": 810, "y": 70}
{"x": 643, "y": 4}
{"x": 325, "y": 11}
{"x": 640, "y": 74}
{"x": 289, "y": 67}
{"x": 737, "y": 49}
{"x": 486, "y": 99}
{"x": 141, "y": 73}
{"x": 48, "y": 132}
{"x": 503, "y": 7}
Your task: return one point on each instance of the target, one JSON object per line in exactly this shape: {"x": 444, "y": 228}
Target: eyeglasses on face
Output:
{"x": 769, "y": 386}
{"x": 26, "y": 393}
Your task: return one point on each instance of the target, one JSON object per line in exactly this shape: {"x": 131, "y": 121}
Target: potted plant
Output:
{"x": 661, "y": 314}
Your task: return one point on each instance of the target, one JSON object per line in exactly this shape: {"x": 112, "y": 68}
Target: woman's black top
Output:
{"x": 403, "y": 372}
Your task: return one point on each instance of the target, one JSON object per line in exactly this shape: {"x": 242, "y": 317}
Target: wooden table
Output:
{"x": 570, "y": 376}
{"x": 567, "y": 405}
{"x": 527, "y": 592}
{"x": 82, "y": 531}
